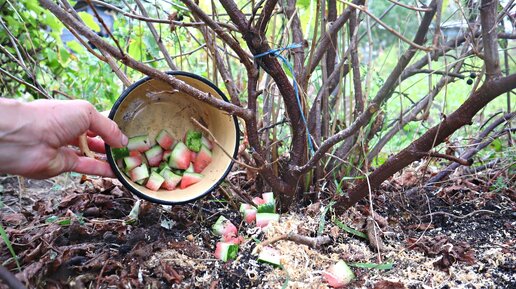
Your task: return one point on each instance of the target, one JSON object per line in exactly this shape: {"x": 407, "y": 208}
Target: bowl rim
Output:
{"x": 112, "y": 162}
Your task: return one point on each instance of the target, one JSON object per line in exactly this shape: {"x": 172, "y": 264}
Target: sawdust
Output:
{"x": 303, "y": 266}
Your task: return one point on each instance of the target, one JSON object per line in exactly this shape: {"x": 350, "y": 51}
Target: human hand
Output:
{"x": 35, "y": 138}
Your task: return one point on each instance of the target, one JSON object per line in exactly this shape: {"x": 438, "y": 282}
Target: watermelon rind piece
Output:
{"x": 141, "y": 182}
{"x": 223, "y": 226}
{"x": 154, "y": 169}
{"x": 263, "y": 219}
{"x": 190, "y": 179}
{"x": 266, "y": 208}
{"x": 119, "y": 153}
{"x": 164, "y": 139}
{"x": 270, "y": 202}
{"x": 206, "y": 142}
{"x": 132, "y": 162}
{"x": 338, "y": 275}
{"x": 139, "y": 143}
{"x": 154, "y": 156}
{"x": 140, "y": 172}
{"x": 154, "y": 182}
{"x": 180, "y": 157}
{"x": 171, "y": 180}
{"x": 270, "y": 256}
{"x": 193, "y": 140}
{"x": 248, "y": 213}
{"x": 226, "y": 251}
{"x": 202, "y": 159}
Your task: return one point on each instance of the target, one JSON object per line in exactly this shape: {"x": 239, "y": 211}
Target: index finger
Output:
{"x": 107, "y": 129}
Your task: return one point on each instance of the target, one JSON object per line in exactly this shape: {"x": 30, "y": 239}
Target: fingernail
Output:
{"x": 125, "y": 140}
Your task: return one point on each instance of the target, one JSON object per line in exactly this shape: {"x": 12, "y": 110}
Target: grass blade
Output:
{"x": 349, "y": 229}
{"x": 9, "y": 246}
{"x": 384, "y": 266}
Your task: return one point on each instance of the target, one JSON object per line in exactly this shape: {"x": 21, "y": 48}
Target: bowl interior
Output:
{"x": 153, "y": 105}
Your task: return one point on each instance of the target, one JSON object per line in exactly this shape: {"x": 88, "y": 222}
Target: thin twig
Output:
{"x": 446, "y": 157}
{"x": 101, "y": 21}
{"x": 161, "y": 21}
{"x": 312, "y": 242}
{"x": 390, "y": 29}
{"x": 457, "y": 216}
{"x": 157, "y": 37}
{"x": 411, "y": 7}
{"x": 221, "y": 147}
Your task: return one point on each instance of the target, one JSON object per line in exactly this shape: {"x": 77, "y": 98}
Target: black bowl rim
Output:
{"x": 131, "y": 188}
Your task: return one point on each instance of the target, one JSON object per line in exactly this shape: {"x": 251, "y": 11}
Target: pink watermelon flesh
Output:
{"x": 180, "y": 157}
{"x": 206, "y": 142}
{"x": 193, "y": 155}
{"x": 258, "y": 201}
{"x": 166, "y": 154}
{"x": 154, "y": 182}
{"x": 202, "y": 160}
{"x": 139, "y": 173}
{"x": 135, "y": 154}
{"x": 171, "y": 180}
{"x": 190, "y": 179}
{"x": 132, "y": 162}
{"x": 250, "y": 215}
{"x": 233, "y": 239}
{"x": 140, "y": 143}
{"x": 164, "y": 139}
{"x": 154, "y": 156}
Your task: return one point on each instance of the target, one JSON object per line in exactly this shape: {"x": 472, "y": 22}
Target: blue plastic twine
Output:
{"x": 276, "y": 52}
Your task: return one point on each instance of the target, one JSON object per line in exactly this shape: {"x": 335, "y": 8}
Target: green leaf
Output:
{"x": 75, "y": 46}
{"x": 64, "y": 222}
{"x": 349, "y": 229}
{"x": 7, "y": 242}
{"x": 497, "y": 145}
{"x": 384, "y": 266}
{"x": 135, "y": 49}
{"x": 304, "y": 3}
{"x": 51, "y": 219}
{"x": 89, "y": 21}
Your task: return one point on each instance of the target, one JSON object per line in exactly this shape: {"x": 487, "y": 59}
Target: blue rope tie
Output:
{"x": 276, "y": 53}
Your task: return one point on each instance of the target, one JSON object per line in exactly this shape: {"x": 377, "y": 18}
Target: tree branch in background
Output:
{"x": 106, "y": 57}
{"x": 265, "y": 16}
{"x": 156, "y": 36}
{"x": 476, "y": 145}
{"x": 433, "y": 137}
{"x": 390, "y": 29}
{"x": 325, "y": 41}
{"x": 382, "y": 95}
{"x": 64, "y": 17}
{"x": 489, "y": 23}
